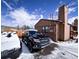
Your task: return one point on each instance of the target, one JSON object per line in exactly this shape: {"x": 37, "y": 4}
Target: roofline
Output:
{"x": 51, "y": 20}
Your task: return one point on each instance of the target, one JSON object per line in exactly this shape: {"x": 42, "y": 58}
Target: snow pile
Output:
{"x": 69, "y": 48}
{"x": 26, "y": 56}
{"x": 25, "y": 53}
{"x": 65, "y": 50}
{"x": 51, "y": 41}
{"x": 68, "y": 51}
{"x": 68, "y": 43}
{"x": 8, "y": 43}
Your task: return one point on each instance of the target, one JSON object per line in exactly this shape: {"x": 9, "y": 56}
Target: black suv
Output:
{"x": 35, "y": 41}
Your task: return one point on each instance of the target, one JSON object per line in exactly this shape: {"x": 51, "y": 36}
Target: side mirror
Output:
{"x": 27, "y": 34}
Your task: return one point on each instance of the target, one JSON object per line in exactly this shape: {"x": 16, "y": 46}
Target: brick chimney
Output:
{"x": 63, "y": 27}
{"x": 63, "y": 13}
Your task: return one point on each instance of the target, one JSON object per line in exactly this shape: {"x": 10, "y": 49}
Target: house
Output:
{"x": 74, "y": 28}
{"x": 56, "y": 29}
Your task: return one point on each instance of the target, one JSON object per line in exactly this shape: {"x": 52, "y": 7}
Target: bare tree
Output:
{"x": 24, "y": 27}
{"x": 18, "y": 27}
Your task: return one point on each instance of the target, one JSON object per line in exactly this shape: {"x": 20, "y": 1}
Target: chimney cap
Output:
{"x": 62, "y": 6}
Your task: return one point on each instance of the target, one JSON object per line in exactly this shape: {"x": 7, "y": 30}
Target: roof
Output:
{"x": 51, "y": 20}
{"x": 59, "y": 21}
{"x": 72, "y": 25}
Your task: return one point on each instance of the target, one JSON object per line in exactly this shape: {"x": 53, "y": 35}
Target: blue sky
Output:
{"x": 28, "y": 12}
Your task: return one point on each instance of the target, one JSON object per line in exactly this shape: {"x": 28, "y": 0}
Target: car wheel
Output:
{"x": 31, "y": 50}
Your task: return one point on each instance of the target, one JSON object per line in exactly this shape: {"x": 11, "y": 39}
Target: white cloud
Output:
{"x": 54, "y": 18}
{"x": 72, "y": 9}
{"x": 7, "y": 5}
{"x": 39, "y": 11}
{"x": 71, "y": 4}
{"x": 6, "y": 22}
{"x": 22, "y": 17}
{"x": 41, "y": 16}
{"x": 56, "y": 10}
{"x": 59, "y": 4}
{"x": 71, "y": 20}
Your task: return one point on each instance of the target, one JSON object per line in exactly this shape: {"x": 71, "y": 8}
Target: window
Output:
{"x": 45, "y": 28}
{"x": 75, "y": 28}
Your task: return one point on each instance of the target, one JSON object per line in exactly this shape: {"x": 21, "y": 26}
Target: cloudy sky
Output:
{"x": 29, "y": 12}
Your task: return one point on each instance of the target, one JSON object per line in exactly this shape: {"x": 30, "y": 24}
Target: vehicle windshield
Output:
{"x": 38, "y": 35}
{"x": 32, "y": 32}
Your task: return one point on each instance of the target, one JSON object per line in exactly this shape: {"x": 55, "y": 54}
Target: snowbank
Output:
{"x": 25, "y": 53}
{"x": 26, "y": 56}
{"x": 66, "y": 50}
{"x": 8, "y": 43}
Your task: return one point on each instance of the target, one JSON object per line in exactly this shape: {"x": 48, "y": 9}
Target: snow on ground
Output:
{"x": 8, "y": 43}
{"x": 70, "y": 46}
{"x": 64, "y": 51}
{"x": 25, "y": 53}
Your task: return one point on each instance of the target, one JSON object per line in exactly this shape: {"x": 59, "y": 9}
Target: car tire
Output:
{"x": 31, "y": 50}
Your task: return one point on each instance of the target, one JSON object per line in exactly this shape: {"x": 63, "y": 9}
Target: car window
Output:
{"x": 32, "y": 32}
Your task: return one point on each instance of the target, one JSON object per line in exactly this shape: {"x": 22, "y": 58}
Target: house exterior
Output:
{"x": 56, "y": 29}
{"x": 74, "y": 28}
